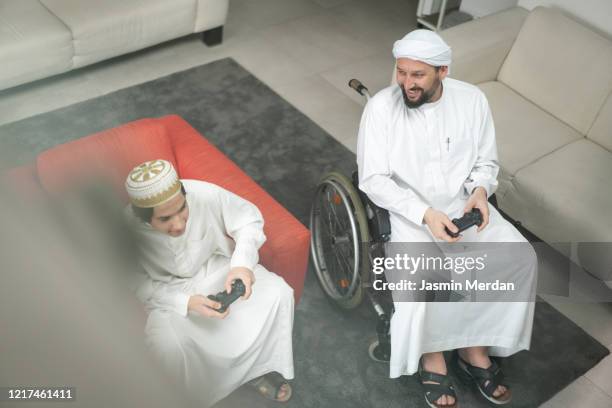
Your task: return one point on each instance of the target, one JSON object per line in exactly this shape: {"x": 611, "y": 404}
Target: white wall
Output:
{"x": 433, "y": 6}
{"x": 481, "y": 8}
{"x": 595, "y": 13}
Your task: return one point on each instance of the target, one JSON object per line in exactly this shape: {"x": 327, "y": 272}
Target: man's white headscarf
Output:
{"x": 425, "y": 46}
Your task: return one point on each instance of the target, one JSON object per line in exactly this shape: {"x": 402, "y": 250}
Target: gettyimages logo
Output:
{"x": 458, "y": 264}
{"x": 470, "y": 271}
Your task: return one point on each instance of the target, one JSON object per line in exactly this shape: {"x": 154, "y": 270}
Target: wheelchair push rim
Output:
{"x": 337, "y": 227}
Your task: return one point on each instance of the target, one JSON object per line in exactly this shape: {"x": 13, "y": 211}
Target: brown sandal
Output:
{"x": 270, "y": 385}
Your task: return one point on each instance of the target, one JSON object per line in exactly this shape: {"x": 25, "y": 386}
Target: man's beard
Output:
{"x": 425, "y": 96}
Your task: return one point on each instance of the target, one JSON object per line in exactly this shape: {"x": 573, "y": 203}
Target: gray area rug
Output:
{"x": 287, "y": 154}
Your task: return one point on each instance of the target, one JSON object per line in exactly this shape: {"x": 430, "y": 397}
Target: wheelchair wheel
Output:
{"x": 339, "y": 228}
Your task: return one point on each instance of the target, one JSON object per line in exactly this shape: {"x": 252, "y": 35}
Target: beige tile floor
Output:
{"x": 305, "y": 50}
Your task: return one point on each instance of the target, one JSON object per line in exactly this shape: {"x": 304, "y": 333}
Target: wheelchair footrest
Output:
{"x": 379, "y": 352}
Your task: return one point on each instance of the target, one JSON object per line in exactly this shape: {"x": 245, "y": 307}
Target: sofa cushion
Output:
{"x": 104, "y": 29}
{"x": 561, "y": 66}
{"x": 565, "y": 196}
{"x": 33, "y": 43}
{"x": 108, "y": 155}
{"x": 481, "y": 45}
{"x": 524, "y": 131}
{"x": 601, "y": 132}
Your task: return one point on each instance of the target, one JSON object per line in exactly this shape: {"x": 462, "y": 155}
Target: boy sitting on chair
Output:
{"x": 196, "y": 239}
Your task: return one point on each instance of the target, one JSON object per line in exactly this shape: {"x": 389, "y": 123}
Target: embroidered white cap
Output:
{"x": 152, "y": 183}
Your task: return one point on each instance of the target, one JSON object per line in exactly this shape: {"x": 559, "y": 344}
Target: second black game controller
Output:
{"x": 468, "y": 220}
{"x": 226, "y": 299}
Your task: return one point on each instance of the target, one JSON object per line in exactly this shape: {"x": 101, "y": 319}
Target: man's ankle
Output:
{"x": 434, "y": 362}
{"x": 478, "y": 358}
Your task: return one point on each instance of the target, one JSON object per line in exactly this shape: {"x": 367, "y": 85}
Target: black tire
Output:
{"x": 339, "y": 234}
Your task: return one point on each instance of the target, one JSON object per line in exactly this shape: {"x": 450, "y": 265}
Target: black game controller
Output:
{"x": 227, "y": 299}
{"x": 468, "y": 220}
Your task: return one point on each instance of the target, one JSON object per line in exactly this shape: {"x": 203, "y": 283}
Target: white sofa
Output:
{"x": 40, "y": 38}
{"x": 548, "y": 80}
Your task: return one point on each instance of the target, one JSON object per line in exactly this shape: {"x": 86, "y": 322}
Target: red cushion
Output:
{"x": 110, "y": 154}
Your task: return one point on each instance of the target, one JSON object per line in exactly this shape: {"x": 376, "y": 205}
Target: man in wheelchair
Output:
{"x": 427, "y": 153}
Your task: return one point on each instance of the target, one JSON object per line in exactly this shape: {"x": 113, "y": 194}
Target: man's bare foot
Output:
{"x": 284, "y": 392}
{"x": 434, "y": 363}
{"x": 479, "y": 357}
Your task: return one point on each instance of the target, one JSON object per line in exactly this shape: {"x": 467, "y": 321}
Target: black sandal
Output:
{"x": 269, "y": 385}
{"x": 433, "y": 392}
{"x": 487, "y": 380}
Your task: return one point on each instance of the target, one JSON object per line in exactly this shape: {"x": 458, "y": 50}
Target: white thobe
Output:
{"x": 435, "y": 156}
{"x": 213, "y": 357}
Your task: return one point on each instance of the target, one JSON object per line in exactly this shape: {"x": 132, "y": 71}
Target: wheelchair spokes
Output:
{"x": 334, "y": 221}
{"x": 337, "y": 239}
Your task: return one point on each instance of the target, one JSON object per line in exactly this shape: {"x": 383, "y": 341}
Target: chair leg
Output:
{"x": 214, "y": 36}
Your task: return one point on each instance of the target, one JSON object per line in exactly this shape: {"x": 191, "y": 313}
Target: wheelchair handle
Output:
{"x": 359, "y": 87}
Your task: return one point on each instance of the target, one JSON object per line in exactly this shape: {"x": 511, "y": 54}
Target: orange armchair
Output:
{"x": 114, "y": 152}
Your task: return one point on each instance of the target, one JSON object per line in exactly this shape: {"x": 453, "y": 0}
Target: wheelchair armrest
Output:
{"x": 379, "y": 224}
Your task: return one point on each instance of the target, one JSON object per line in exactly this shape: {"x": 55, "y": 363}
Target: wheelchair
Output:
{"x": 347, "y": 232}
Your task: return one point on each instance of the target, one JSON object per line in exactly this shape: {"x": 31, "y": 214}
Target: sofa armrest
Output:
{"x": 210, "y": 14}
{"x": 481, "y": 46}
{"x": 286, "y": 253}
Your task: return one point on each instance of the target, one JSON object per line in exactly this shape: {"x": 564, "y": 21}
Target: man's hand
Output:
{"x": 206, "y": 307}
{"x": 437, "y": 221}
{"x": 478, "y": 199}
{"x": 244, "y": 274}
